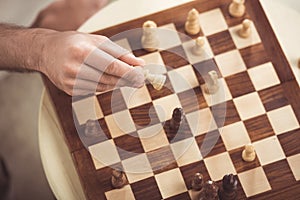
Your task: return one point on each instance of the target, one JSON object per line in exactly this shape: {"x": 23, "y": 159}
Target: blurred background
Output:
{"x": 20, "y": 95}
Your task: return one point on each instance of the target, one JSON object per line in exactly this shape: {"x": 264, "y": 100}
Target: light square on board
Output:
{"x": 230, "y": 63}
{"x": 137, "y": 168}
{"x": 186, "y": 152}
{"x": 240, "y": 42}
{"x": 170, "y": 183}
{"x": 283, "y": 120}
{"x": 105, "y": 153}
{"x": 294, "y": 163}
{"x": 192, "y": 58}
{"x": 268, "y": 150}
{"x": 201, "y": 121}
{"x": 234, "y": 135}
{"x": 249, "y": 106}
{"x": 154, "y": 63}
{"x": 222, "y": 95}
{"x": 124, "y": 43}
{"x": 219, "y": 165}
{"x": 254, "y": 181}
{"x": 263, "y": 76}
{"x": 120, "y": 123}
{"x": 123, "y": 193}
{"x": 86, "y": 109}
{"x": 153, "y": 137}
{"x": 168, "y": 36}
{"x": 135, "y": 96}
{"x": 212, "y": 22}
{"x": 183, "y": 78}
{"x": 165, "y": 106}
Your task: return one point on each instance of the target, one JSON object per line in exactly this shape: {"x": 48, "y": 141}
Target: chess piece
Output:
{"x": 176, "y": 120}
{"x": 245, "y": 31}
{"x": 212, "y": 83}
{"x": 228, "y": 191}
{"x": 237, "y": 8}
{"x": 149, "y": 39}
{"x": 248, "y": 153}
{"x": 156, "y": 80}
{"x": 197, "y": 182}
{"x": 209, "y": 192}
{"x": 118, "y": 179}
{"x": 192, "y": 25}
{"x": 92, "y": 128}
{"x": 199, "y": 45}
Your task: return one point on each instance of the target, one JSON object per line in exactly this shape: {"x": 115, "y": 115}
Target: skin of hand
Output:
{"x": 67, "y": 15}
{"x": 77, "y": 63}
{"x": 80, "y": 63}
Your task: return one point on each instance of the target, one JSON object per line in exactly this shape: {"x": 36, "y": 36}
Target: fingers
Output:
{"x": 132, "y": 60}
{"x": 121, "y": 53}
{"x": 91, "y": 74}
{"x": 106, "y": 63}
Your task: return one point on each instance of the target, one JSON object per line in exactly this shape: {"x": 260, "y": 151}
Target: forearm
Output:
{"x": 20, "y": 48}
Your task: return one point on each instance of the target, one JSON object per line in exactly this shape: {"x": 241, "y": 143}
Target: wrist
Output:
{"x": 35, "y": 58}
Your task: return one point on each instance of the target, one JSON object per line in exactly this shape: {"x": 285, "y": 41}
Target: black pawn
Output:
{"x": 197, "y": 182}
{"x": 118, "y": 179}
{"x": 92, "y": 128}
{"x": 209, "y": 192}
{"x": 228, "y": 191}
{"x": 175, "y": 122}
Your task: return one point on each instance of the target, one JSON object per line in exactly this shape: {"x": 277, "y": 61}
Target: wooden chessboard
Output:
{"x": 259, "y": 105}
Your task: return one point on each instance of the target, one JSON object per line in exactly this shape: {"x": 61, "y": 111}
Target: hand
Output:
{"x": 67, "y": 15}
{"x": 80, "y": 64}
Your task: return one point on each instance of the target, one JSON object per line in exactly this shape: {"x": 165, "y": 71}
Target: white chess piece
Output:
{"x": 248, "y": 153}
{"x": 156, "y": 80}
{"x": 199, "y": 45}
{"x": 245, "y": 31}
{"x": 237, "y": 8}
{"x": 212, "y": 82}
{"x": 149, "y": 39}
{"x": 192, "y": 25}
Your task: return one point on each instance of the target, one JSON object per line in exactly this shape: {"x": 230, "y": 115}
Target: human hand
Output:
{"x": 80, "y": 63}
{"x": 67, "y": 15}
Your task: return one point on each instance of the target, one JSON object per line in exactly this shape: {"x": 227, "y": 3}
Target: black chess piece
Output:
{"x": 118, "y": 179}
{"x": 92, "y": 128}
{"x": 197, "y": 182}
{"x": 176, "y": 120}
{"x": 228, "y": 191}
{"x": 209, "y": 192}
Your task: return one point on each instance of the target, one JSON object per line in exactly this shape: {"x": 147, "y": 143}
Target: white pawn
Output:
{"x": 199, "y": 45}
{"x": 149, "y": 39}
{"x": 245, "y": 31}
{"x": 237, "y": 8}
{"x": 156, "y": 80}
{"x": 192, "y": 25}
{"x": 212, "y": 82}
{"x": 248, "y": 153}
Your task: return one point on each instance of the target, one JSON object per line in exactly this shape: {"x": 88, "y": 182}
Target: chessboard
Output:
{"x": 257, "y": 103}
